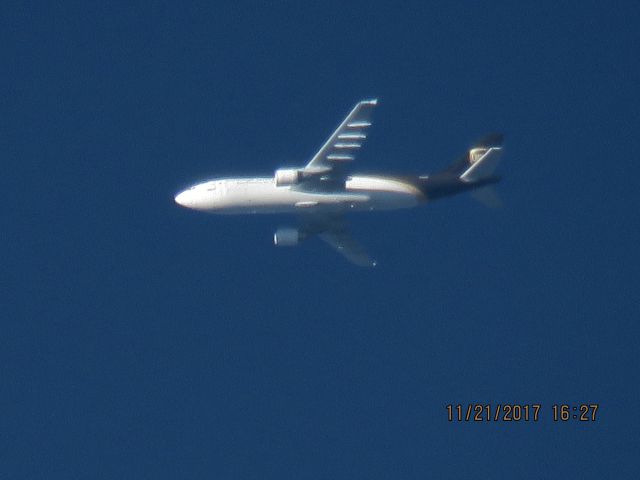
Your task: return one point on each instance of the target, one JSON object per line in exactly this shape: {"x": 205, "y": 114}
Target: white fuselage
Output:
{"x": 262, "y": 195}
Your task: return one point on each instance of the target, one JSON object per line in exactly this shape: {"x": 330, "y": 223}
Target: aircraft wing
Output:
{"x": 343, "y": 145}
{"x": 333, "y": 230}
{"x": 347, "y": 246}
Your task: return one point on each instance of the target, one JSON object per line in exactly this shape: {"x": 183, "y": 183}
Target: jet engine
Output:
{"x": 287, "y": 176}
{"x": 287, "y": 237}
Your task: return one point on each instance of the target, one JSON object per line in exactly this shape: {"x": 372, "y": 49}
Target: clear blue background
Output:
{"x": 141, "y": 340}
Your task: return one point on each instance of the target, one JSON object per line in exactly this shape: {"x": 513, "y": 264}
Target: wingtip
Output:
{"x": 371, "y": 101}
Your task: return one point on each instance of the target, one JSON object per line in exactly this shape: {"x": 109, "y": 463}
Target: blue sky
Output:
{"x": 143, "y": 340}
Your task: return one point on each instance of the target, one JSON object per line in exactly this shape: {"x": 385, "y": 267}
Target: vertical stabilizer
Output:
{"x": 483, "y": 158}
{"x": 474, "y": 172}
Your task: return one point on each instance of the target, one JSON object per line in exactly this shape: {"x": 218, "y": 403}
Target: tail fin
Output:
{"x": 483, "y": 159}
{"x": 474, "y": 171}
{"x": 480, "y": 161}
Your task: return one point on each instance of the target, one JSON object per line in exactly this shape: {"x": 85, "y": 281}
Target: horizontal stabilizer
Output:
{"x": 487, "y": 196}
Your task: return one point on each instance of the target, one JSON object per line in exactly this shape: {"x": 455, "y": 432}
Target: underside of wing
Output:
{"x": 343, "y": 145}
{"x": 347, "y": 246}
{"x": 333, "y": 230}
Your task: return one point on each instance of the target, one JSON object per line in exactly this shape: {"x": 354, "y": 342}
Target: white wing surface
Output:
{"x": 342, "y": 147}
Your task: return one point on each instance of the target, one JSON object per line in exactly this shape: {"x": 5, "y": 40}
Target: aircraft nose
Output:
{"x": 183, "y": 199}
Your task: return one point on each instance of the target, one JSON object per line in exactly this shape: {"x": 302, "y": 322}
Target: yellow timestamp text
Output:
{"x": 520, "y": 412}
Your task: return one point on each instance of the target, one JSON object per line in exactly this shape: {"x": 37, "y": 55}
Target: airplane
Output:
{"x": 323, "y": 191}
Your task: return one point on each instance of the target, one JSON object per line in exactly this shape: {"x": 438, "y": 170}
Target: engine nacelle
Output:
{"x": 287, "y": 237}
{"x": 287, "y": 176}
